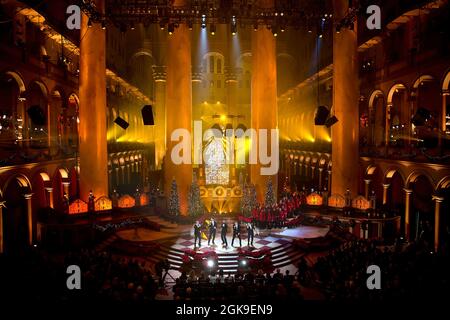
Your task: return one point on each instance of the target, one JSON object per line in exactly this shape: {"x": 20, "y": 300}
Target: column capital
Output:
{"x": 27, "y": 196}
{"x": 2, "y": 204}
{"x": 49, "y": 189}
{"x": 66, "y": 183}
{"x": 320, "y": 169}
{"x": 159, "y": 73}
{"x": 437, "y": 198}
{"x": 408, "y": 191}
{"x": 386, "y": 185}
{"x": 367, "y": 181}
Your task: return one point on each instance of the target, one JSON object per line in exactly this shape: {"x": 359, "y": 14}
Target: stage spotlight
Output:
{"x": 203, "y": 25}
{"x": 147, "y": 115}
{"x": 103, "y": 25}
{"x": 283, "y": 28}
{"x": 338, "y": 28}
{"x": 275, "y": 31}
{"x": 121, "y": 123}
{"x": 132, "y": 26}
{"x": 331, "y": 121}
{"x": 243, "y": 263}
{"x": 255, "y": 26}
{"x": 210, "y": 263}
{"x": 420, "y": 117}
{"x": 321, "y": 115}
{"x": 212, "y": 29}
{"x": 171, "y": 28}
{"x": 190, "y": 24}
{"x": 233, "y": 26}
{"x": 162, "y": 25}
{"x": 89, "y": 23}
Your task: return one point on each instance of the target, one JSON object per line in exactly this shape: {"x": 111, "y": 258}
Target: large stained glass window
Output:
{"x": 216, "y": 168}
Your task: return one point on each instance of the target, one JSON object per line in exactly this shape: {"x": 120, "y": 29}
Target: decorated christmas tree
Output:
{"x": 174, "y": 201}
{"x": 286, "y": 187}
{"x": 248, "y": 200}
{"x": 195, "y": 205}
{"x": 270, "y": 196}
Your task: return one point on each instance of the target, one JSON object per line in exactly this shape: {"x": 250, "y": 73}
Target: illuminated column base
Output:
{"x": 408, "y": 193}
{"x": 178, "y": 110}
{"x": 92, "y": 88}
{"x": 437, "y": 215}
{"x": 345, "y": 134}
{"x": 263, "y": 97}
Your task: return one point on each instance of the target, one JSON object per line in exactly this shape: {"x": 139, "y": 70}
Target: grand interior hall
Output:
{"x": 224, "y": 150}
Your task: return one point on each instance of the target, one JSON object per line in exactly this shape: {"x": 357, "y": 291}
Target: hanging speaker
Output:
{"x": 330, "y": 121}
{"x": 147, "y": 115}
{"x": 36, "y": 115}
{"x": 321, "y": 115}
{"x": 420, "y": 117}
{"x": 121, "y": 123}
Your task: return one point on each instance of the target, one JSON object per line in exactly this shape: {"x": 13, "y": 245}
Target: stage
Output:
{"x": 174, "y": 240}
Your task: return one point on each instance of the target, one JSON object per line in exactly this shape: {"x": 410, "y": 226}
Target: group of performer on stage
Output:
{"x": 276, "y": 215}
{"x": 212, "y": 228}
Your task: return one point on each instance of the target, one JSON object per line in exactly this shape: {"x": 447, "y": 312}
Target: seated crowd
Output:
{"x": 39, "y": 276}
{"x": 410, "y": 272}
{"x": 240, "y": 286}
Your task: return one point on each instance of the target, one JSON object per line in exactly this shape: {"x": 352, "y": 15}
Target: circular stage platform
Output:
{"x": 278, "y": 241}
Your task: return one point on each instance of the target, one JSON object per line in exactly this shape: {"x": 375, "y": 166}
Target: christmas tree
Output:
{"x": 248, "y": 200}
{"x": 174, "y": 201}
{"x": 195, "y": 205}
{"x": 286, "y": 187}
{"x": 270, "y": 196}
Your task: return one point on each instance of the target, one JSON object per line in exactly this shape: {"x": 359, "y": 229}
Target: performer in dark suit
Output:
{"x": 197, "y": 234}
{"x": 212, "y": 231}
{"x": 236, "y": 233}
{"x": 223, "y": 234}
{"x": 250, "y": 234}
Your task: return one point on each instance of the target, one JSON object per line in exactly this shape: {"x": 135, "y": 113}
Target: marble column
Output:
{"x": 159, "y": 74}
{"x": 320, "y": 179}
{"x": 29, "y": 207}
{"x": 408, "y": 193}
{"x": 92, "y": 88}
{"x": 345, "y": 134}
{"x": 66, "y": 188}
{"x": 178, "y": 106}
{"x": 263, "y": 95}
{"x": 49, "y": 196}
{"x": 367, "y": 187}
{"x": 385, "y": 193}
{"x": 437, "y": 215}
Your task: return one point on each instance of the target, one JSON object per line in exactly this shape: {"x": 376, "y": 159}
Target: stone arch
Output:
{"x": 446, "y": 81}
{"x": 444, "y": 183}
{"x": 392, "y": 91}
{"x": 422, "y": 78}
{"x": 16, "y": 213}
{"x": 18, "y": 78}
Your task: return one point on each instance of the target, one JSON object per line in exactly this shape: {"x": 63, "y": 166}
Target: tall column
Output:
{"x": 443, "y": 114}
{"x": 345, "y": 134}
{"x": 329, "y": 180}
{"x": 366, "y": 187}
{"x": 159, "y": 74}
{"x": 49, "y": 192}
{"x": 320, "y": 179}
{"x": 437, "y": 214}
{"x": 2, "y": 204}
{"x": 408, "y": 193}
{"x": 178, "y": 106}
{"x": 66, "y": 186}
{"x": 29, "y": 207}
{"x": 385, "y": 192}
{"x": 263, "y": 95}
{"x": 92, "y": 82}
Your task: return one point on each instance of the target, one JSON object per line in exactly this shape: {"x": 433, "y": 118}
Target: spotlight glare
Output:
{"x": 210, "y": 263}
